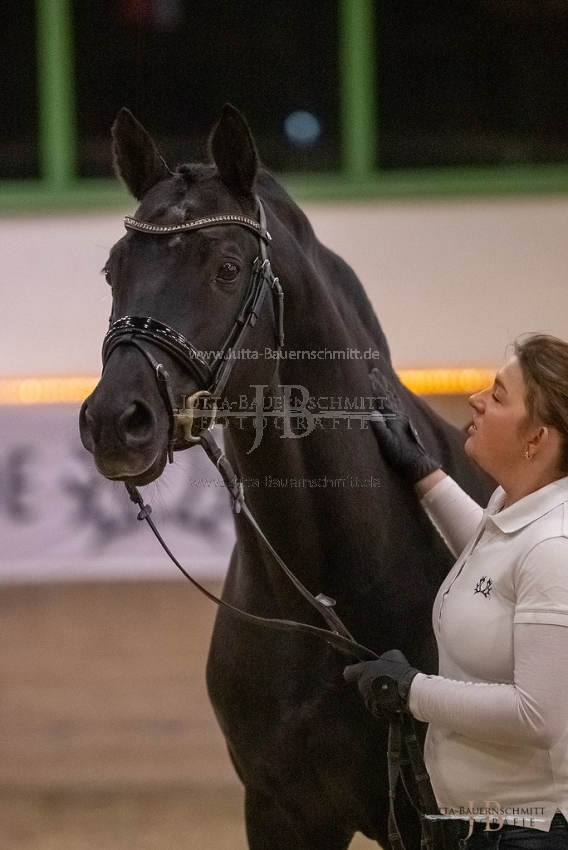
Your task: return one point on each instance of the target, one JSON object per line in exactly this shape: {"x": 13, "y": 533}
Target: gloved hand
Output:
{"x": 384, "y": 683}
{"x": 401, "y": 444}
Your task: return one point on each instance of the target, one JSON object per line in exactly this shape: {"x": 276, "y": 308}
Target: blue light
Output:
{"x": 302, "y": 128}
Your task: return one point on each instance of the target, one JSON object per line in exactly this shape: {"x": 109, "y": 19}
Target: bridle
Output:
{"x": 211, "y": 377}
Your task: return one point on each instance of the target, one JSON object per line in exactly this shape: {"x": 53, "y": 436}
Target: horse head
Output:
{"x": 188, "y": 280}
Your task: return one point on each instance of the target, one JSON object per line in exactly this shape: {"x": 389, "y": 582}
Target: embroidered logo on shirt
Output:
{"x": 483, "y": 586}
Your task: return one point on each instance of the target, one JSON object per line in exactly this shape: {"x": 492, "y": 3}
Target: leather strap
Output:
{"x": 196, "y": 224}
{"x": 341, "y": 642}
{"x": 162, "y": 336}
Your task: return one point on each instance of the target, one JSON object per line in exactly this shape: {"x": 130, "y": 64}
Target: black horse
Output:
{"x": 312, "y": 760}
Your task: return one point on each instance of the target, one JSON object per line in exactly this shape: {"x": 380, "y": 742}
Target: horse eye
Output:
{"x": 106, "y": 273}
{"x": 227, "y": 273}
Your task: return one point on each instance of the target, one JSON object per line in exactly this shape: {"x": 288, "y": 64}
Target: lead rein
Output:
{"x": 338, "y": 636}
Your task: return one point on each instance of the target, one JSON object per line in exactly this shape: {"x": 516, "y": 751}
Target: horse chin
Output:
{"x": 133, "y": 471}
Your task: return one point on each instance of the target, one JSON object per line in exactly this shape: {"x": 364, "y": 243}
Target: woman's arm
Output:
{"x": 531, "y": 712}
{"x": 455, "y": 515}
{"x": 403, "y": 449}
{"x": 425, "y": 484}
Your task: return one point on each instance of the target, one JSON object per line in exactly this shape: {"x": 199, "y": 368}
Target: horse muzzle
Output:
{"x": 128, "y": 441}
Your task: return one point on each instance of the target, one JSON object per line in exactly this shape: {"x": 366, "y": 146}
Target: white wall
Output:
{"x": 452, "y": 282}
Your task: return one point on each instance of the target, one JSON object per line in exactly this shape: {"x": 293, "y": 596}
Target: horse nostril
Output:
{"x": 87, "y": 428}
{"x": 137, "y": 424}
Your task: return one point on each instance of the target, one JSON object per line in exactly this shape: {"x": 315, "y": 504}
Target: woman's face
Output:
{"x": 496, "y": 440}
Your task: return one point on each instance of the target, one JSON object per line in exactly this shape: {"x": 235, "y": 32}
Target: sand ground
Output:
{"x": 107, "y": 738}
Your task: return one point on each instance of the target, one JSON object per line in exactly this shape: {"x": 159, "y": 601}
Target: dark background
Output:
{"x": 458, "y": 82}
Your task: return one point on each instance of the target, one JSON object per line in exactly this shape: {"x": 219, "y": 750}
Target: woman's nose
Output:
{"x": 477, "y": 401}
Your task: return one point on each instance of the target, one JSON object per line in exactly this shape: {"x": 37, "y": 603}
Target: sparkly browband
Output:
{"x": 145, "y": 226}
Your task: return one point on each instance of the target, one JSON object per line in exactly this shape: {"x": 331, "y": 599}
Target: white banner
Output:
{"x": 60, "y": 519}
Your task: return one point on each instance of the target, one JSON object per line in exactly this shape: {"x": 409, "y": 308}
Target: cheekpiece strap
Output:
{"x": 198, "y": 223}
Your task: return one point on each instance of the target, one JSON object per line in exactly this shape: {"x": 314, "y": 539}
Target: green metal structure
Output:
{"x": 359, "y": 178}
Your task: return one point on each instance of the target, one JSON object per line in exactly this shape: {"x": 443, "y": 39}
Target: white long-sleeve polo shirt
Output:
{"x": 498, "y": 710}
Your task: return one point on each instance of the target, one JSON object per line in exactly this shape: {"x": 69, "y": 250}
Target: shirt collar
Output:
{"x": 527, "y": 509}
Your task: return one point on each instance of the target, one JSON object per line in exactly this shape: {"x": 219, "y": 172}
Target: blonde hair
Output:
{"x": 544, "y": 364}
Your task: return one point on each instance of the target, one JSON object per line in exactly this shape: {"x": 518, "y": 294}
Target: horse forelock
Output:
{"x": 209, "y": 192}
{"x": 195, "y": 172}
{"x": 192, "y": 191}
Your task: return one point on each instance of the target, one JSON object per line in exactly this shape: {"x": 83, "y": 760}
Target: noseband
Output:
{"x": 212, "y": 375}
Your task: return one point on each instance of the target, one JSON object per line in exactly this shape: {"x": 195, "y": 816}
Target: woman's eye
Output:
{"x": 227, "y": 273}
{"x": 495, "y": 397}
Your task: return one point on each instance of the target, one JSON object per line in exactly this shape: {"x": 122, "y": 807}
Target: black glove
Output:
{"x": 384, "y": 683}
{"x": 401, "y": 445}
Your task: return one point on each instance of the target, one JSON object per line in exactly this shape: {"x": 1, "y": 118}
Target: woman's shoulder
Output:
{"x": 537, "y": 516}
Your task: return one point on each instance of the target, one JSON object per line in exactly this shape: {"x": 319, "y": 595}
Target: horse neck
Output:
{"x": 313, "y": 483}
{"x": 332, "y": 341}
{"x": 308, "y": 493}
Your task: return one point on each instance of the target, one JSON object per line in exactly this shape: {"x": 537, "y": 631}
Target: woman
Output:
{"x": 497, "y": 741}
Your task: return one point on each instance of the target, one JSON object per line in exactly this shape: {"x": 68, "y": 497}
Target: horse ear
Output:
{"x": 137, "y": 160}
{"x": 234, "y": 151}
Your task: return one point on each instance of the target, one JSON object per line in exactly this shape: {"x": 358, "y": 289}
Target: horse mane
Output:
{"x": 347, "y": 289}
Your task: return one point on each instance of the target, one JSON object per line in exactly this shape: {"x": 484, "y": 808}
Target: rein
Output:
{"x": 337, "y": 636}
{"x": 212, "y": 378}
